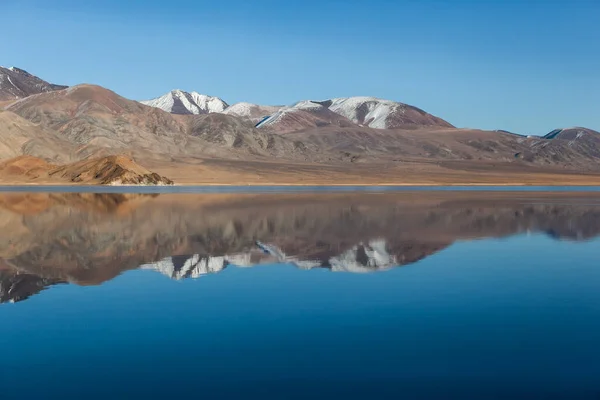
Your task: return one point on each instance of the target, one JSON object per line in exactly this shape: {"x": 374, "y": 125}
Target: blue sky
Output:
{"x": 525, "y": 66}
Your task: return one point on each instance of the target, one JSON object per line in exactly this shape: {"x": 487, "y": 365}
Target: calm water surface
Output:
{"x": 329, "y": 295}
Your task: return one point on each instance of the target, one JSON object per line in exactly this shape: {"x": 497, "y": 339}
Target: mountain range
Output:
{"x": 194, "y": 138}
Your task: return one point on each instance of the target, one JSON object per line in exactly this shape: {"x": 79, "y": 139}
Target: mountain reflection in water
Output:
{"x": 88, "y": 239}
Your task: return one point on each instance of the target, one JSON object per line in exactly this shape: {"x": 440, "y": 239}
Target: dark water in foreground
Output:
{"x": 396, "y": 295}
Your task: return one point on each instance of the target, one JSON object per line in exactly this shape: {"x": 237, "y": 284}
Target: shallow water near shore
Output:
{"x": 244, "y": 294}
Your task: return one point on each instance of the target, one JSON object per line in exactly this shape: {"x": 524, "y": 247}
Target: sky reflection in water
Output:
{"x": 513, "y": 313}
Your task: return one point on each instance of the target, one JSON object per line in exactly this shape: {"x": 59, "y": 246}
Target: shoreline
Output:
{"x": 4, "y": 185}
{"x": 316, "y": 183}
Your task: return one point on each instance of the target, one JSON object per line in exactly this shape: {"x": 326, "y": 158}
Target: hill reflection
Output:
{"x": 88, "y": 239}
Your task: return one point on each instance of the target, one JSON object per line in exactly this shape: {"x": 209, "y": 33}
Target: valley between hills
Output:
{"x": 87, "y": 134}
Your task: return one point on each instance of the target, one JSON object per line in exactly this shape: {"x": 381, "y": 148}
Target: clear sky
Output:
{"x": 527, "y": 66}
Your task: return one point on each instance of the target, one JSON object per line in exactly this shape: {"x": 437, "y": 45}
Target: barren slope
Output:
{"x": 21, "y": 137}
{"x": 16, "y": 83}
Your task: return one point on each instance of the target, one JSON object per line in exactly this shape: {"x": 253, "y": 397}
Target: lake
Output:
{"x": 293, "y": 295}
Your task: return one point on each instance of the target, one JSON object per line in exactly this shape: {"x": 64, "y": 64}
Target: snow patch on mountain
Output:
{"x": 16, "y": 83}
{"x": 305, "y": 105}
{"x": 369, "y": 111}
{"x": 273, "y": 119}
{"x": 308, "y": 105}
{"x": 364, "y": 258}
{"x": 572, "y": 133}
{"x": 366, "y": 111}
{"x": 240, "y": 109}
{"x": 195, "y": 266}
{"x": 181, "y": 102}
{"x": 361, "y": 258}
{"x": 210, "y": 104}
{"x": 250, "y": 111}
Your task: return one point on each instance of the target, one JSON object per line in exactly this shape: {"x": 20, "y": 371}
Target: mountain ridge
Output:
{"x": 366, "y": 111}
{"x": 181, "y": 102}
{"x": 357, "y": 139}
{"x": 16, "y": 83}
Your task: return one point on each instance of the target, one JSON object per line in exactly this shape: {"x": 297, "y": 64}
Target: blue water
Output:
{"x": 429, "y": 295}
{"x": 517, "y": 317}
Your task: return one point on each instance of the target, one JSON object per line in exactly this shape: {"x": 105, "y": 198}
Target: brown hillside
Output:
{"x": 25, "y": 167}
{"x": 19, "y": 136}
{"x": 110, "y": 170}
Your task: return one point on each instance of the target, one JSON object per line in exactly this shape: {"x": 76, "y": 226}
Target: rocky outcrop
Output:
{"x": 110, "y": 170}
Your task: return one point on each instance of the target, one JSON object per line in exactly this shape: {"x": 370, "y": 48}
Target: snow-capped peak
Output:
{"x": 209, "y": 103}
{"x": 362, "y": 110}
{"x": 361, "y": 258}
{"x": 370, "y": 111}
{"x": 181, "y": 102}
{"x": 364, "y": 258}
